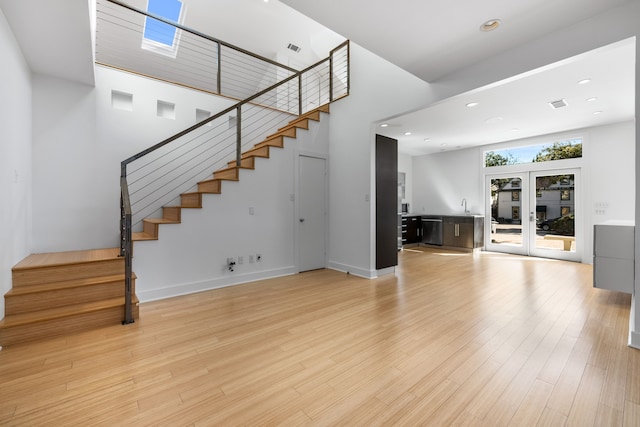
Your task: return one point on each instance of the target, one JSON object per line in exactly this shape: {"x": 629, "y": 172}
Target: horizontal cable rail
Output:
{"x": 272, "y": 96}
{"x": 197, "y": 60}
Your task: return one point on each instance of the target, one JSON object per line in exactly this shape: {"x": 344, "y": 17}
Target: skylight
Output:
{"x": 158, "y": 36}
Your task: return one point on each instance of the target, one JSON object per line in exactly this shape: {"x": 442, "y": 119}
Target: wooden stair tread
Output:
{"x": 161, "y": 221}
{"x": 53, "y": 286}
{"x": 67, "y": 258}
{"x": 140, "y": 237}
{"x": 15, "y": 320}
{"x": 231, "y": 172}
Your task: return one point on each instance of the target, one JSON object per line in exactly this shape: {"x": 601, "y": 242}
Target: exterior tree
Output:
{"x": 559, "y": 151}
{"x": 492, "y": 158}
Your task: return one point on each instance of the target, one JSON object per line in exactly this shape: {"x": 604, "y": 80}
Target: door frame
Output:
{"x": 578, "y": 221}
{"x": 525, "y": 172}
{"x": 296, "y": 197}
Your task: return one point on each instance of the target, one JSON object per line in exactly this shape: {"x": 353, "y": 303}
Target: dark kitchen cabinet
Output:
{"x": 463, "y": 232}
{"x": 410, "y": 230}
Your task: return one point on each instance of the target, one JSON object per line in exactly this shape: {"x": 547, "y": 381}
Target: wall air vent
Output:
{"x": 294, "y": 48}
{"x": 558, "y": 104}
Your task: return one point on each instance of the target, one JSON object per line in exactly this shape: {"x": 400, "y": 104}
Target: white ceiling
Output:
{"x": 55, "y": 36}
{"x": 519, "y": 107}
{"x": 431, "y": 39}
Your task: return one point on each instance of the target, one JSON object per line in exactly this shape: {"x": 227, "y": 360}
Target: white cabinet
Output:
{"x": 613, "y": 256}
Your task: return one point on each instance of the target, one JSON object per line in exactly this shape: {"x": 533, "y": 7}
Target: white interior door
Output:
{"x": 312, "y": 206}
{"x": 535, "y": 213}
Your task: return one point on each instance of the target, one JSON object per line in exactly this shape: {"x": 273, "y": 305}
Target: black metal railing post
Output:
{"x": 126, "y": 244}
{"x": 331, "y": 77}
{"x": 300, "y": 94}
{"x": 219, "y": 79}
{"x": 239, "y": 136}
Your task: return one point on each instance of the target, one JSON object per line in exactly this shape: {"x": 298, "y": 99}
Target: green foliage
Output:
{"x": 564, "y": 225}
{"x": 559, "y": 151}
{"x": 491, "y": 159}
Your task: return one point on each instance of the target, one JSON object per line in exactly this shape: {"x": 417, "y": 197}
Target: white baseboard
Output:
{"x": 634, "y": 336}
{"x": 349, "y": 269}
{"x": 385, "y": 271}
{"x": 207, "y": 285}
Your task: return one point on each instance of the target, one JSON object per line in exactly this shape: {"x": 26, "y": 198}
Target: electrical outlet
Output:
{"x": 240, "y": 260}
{"x": 259, "y": 257}
{"x": 250, "y": 259}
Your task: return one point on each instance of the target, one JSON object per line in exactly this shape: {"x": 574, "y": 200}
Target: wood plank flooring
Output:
{"x": 451, "y": 339}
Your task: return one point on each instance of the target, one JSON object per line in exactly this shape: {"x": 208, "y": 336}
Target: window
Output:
{"x": 538, "y": 193}
{"x": 559, "y": 150}
{"x": 565, "y": 210}
{"x": 565, "y": 195}
{"x": 160, "y": 37}
{"x": 515, "y": 212}
{"x": 515, "y": 196}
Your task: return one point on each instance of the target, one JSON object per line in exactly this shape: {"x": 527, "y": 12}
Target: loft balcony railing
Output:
{"x": 194, "y": 60}
{"x": 271, "y": 95}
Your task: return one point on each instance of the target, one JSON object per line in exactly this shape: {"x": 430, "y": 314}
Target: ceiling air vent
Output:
{"x": 558, "y": 104}
{"x": 294, "y": 48}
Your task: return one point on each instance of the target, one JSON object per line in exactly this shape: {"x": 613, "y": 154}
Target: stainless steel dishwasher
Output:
{"x": 432, "y": 230}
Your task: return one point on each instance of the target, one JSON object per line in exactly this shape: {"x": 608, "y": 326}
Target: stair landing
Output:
{"x": 60, "y": 293}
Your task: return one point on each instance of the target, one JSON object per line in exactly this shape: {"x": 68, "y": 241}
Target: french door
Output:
{"x": 535, "y": 213}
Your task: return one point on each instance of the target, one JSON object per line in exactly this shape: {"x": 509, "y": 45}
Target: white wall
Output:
{"x": 15, "y": 156}
{"x": 405, "y": 164}
{"x": 442, "y": 180}
{"x": 378, "y": 89}
{"x": 78, "y": 143}
{"x": 608, "y": 176}
{"x": 192, "y": 256}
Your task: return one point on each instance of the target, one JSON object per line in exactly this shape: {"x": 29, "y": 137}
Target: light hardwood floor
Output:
{"x": 451, "y": 339}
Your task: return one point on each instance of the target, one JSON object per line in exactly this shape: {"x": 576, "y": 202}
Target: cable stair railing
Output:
{"x": 158, "y": 182}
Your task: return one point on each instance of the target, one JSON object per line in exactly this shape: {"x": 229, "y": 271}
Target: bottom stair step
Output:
{"x": 63, "y": 320}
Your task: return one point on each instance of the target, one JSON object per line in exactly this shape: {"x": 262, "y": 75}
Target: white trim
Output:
{"x": 634, "y": 336}
{"x": 386, "y": 271}
{"x": 296, "y": 191}
{"x": 207, "y": 285}
{"x": 356, "y": 271}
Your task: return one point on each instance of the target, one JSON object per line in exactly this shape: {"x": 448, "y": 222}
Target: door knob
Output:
{"x": 301, "y": 219}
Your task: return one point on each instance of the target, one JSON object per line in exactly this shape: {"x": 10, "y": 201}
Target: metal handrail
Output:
{"x": 125, "y": 202}
{"x": 202, "y": 35}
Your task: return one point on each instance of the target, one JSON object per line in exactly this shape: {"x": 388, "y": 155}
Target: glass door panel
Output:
{"x": 553, "y": 215}
{"x": 535, "y": 213}
{"x": 506, "y": 200}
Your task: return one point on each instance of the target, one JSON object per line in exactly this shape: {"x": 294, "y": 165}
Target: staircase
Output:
{"x": 57, "y": 293}
{"x": 172, "y": 214}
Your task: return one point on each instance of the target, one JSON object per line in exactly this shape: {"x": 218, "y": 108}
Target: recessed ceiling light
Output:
{"x": 493, "y": 120}
{"x": 595, "y": 113}
{"x": 490, "y": 25}
{"x": 444, "y": 144}
{"x": 384, "y": 125}
{"x": 515, "y": 130}
{"x": 584, "y": 81}
{"x": 407, "y": 133}
{"x": 472, "y": 104}
{"x": 427, "y": 139}
{"x": 592, "y": 99}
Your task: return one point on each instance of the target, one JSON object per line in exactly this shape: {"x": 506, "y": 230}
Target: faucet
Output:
{"x": 464, "y": 203}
